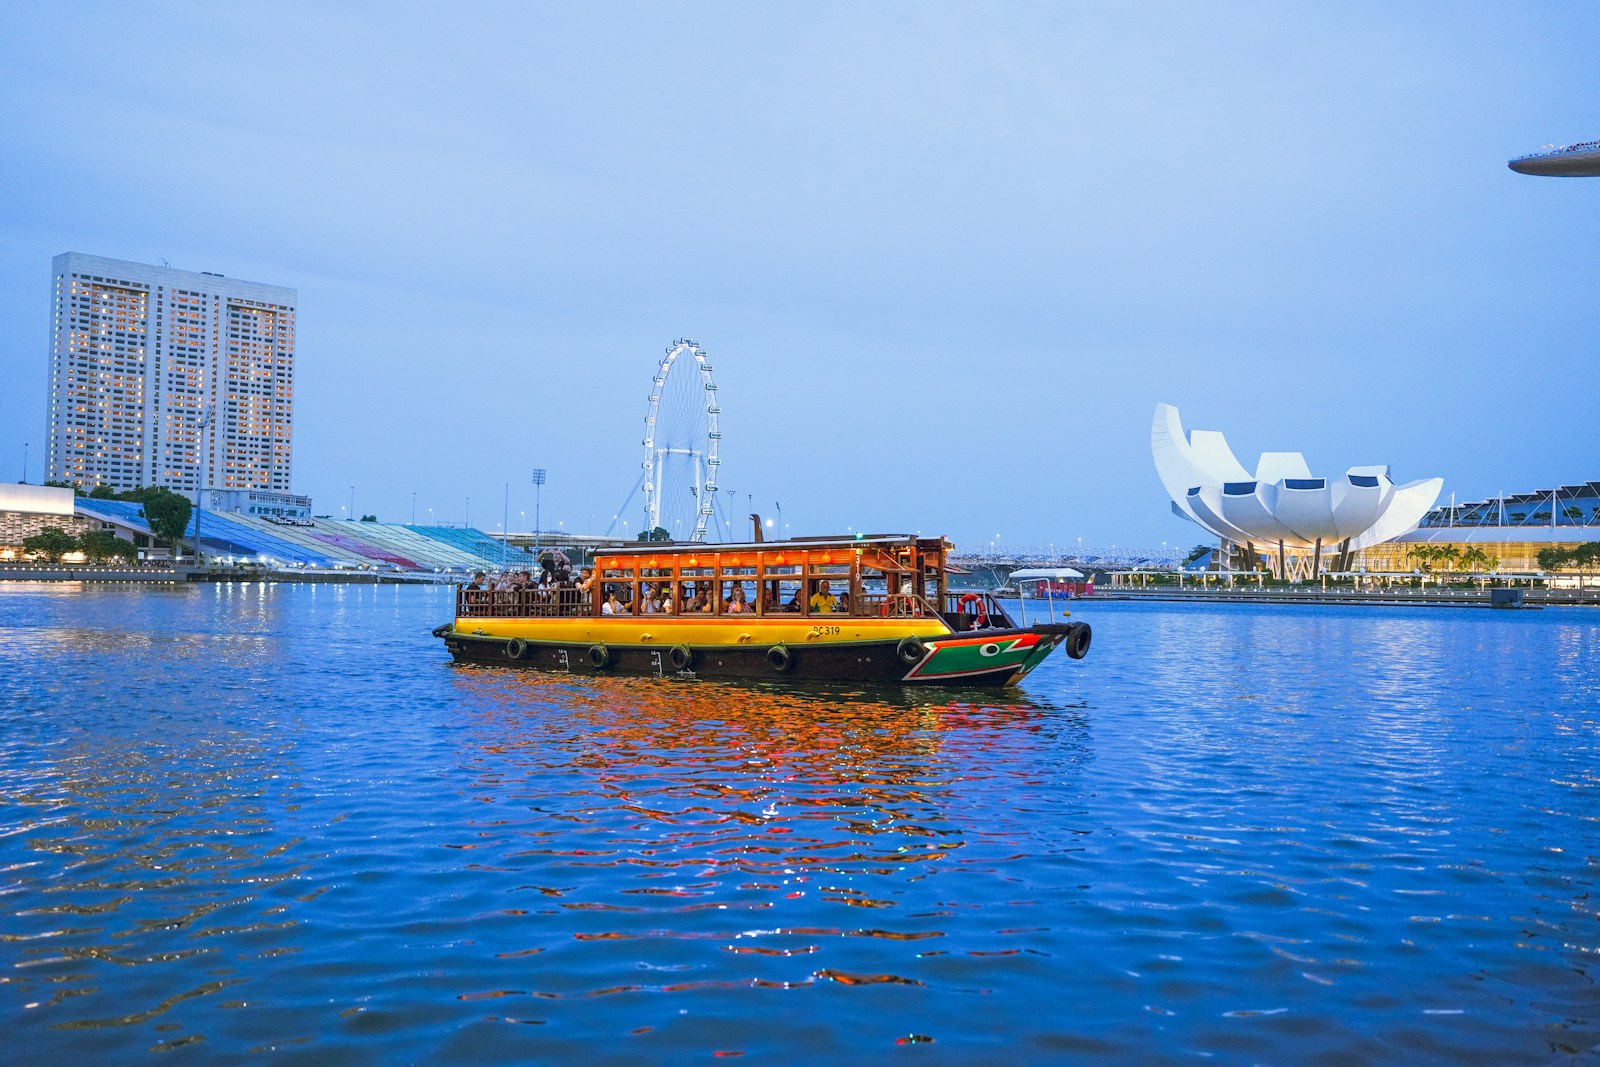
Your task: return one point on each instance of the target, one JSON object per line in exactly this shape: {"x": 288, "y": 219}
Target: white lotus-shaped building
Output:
{"x": 1281, "y": 505}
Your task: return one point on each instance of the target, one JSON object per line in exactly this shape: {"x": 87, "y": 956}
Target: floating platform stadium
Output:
{"x": 234, "y": 539}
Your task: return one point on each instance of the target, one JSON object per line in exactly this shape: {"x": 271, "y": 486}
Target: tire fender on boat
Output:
{"x": 599, "y": 657}
{"x": 1078, "y": 640}
{"x": 911, "y": 650}
{"x": 780, "y": 658}
{"x": 682, "y": 657}
{"x": 516, "y": 648}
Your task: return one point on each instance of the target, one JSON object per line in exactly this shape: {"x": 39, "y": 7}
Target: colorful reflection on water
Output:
{"x": 249, "y": 820}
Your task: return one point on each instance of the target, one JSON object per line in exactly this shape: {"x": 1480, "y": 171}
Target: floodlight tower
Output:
{"x": 538, "y": 490}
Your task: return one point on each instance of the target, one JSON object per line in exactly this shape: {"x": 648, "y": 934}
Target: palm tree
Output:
{"x": 1473, "y": 558}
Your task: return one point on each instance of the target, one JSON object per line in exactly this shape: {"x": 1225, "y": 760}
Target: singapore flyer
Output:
{"x": 681, "y": 444}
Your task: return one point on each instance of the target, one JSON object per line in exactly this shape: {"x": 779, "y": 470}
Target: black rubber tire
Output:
{"x": 599, "y": 657}
{"x": 443, "y": 628}
{"x": 516, "y": 648}
{"x": 682, "y": 657}
{"x": 911, "y": 650}
{"x": 780, "y": 658}
{"x": 1078, "y": 640}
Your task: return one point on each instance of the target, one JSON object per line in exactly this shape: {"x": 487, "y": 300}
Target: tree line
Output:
{"x": 165, "y": 512}
{"x": 1472, "y": 558}
{"x": 1584, "y": 557}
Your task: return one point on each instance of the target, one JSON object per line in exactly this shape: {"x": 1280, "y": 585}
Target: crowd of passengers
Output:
{"x": 557, "y": 584}
{"x": 701, "y": 598}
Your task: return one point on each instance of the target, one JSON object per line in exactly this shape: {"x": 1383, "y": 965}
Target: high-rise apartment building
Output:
{"x": 140, "y": 354}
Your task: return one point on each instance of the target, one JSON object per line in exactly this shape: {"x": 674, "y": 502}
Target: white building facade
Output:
{"x": 139, "y": 354}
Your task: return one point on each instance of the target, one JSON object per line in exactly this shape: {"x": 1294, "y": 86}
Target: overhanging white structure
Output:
{"x": 1282, "y": 507}
{"x": 1569, "y": 161}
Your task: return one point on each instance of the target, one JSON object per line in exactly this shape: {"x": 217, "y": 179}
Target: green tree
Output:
{"x": 369, "y": 518}
{"x": 166, "y": 513}
{"x": 101, "y": 545}
{"x": 1196, "y": 552}
{"x": 1473, "y": 558}
{"x": 657, "y": 534}
{"x": 52, "y": 543}
{"x": 57, "y": 483}
{"x": 1553, "y": 559}
{"x": 1573, "y": 515}
{"x": 102, "y": 492}
{"x": 1587, "y": 556}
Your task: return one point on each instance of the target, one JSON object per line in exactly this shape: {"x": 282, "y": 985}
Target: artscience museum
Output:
{"x": 1298, "y": 523}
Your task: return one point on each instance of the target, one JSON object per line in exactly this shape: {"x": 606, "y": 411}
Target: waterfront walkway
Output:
{"x": 1444, "y": 598}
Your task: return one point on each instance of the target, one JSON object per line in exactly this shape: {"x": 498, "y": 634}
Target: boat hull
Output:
{"x": 985, "y": 658}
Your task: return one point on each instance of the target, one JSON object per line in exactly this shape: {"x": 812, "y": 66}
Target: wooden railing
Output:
{"x": 521, "y": 603}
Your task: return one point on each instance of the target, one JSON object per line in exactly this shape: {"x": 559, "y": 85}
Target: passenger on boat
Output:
{"x": 736, "y": 604}
{"x": 613, "y": 604}
{"x": 822, "y": 600}
{"x": 648, "y": 604}
{"x": 480, "y": 581}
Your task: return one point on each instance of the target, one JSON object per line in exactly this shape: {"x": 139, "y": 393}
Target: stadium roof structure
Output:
{"x": 1566, "y": 161}
{"x": 1282, "y": 502}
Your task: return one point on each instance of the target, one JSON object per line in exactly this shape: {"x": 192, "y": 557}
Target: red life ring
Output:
{"x": 969, "y": 599}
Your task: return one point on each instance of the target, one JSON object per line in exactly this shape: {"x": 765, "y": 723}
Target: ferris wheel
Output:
{"x": 681, "y": 442}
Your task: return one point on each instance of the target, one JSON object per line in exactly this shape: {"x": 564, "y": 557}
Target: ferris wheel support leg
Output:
{"x": 625, "y": 502}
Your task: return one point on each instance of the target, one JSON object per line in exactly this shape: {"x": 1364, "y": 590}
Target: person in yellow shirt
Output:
{"x": 822, "y": 600}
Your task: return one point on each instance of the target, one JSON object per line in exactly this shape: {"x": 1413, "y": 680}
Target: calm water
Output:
{"x": 244, "y": 824}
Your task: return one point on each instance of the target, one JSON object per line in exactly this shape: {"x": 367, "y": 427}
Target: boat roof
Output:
{"x": 1055, "y": 574}
{"x": 634, "y": 548}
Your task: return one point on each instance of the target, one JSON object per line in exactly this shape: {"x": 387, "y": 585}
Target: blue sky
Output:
{"x": 947, "y": 257}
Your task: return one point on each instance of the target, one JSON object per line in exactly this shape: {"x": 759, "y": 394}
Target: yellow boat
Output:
{"x": 849, "y": 609}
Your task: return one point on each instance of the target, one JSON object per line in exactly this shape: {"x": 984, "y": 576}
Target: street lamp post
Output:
{"x": 413, "y": 507}
{"x": 200, "y": 487}
{"x": 352, "y": 504}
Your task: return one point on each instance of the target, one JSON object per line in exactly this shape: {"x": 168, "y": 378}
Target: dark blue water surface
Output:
{"x": 246, "y": 823}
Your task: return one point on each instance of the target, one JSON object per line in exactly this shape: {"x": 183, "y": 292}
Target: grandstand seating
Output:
{"x": 487, "y": 551}
{"x": 426, "y": 552}
{"x": 305, "y": 541}
{"x": 332, "y": 543}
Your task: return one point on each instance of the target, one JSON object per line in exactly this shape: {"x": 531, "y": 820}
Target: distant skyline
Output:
{"x": 946, "y": 258}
